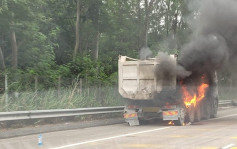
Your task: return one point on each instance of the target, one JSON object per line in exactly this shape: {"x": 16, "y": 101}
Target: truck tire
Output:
{"x": 191, "y": 113}
{"x": 181, "y": 120}
{"x": 197, "y": 113}
{"x": 214, "y": 108}
{"x": 206, "y": 109}
{"x": 214, "y": 95}
{"x": 143, "y": 122}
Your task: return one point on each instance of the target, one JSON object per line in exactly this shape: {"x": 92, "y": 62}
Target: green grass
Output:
{"x": 67, "y": 99}
{"x": 227, "y": 93}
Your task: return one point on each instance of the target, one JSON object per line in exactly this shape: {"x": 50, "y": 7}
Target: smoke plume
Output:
{"x": 214, "y": 41}
{"x": 145, "y": 53}
{"x": 213, "y": 46}
{"x": 166, "y": 68}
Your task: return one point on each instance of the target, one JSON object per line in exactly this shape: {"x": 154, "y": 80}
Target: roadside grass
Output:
{"x": 67, "y": 98}
{"x": 227, "y": 93}
{"x": 71, "y": 97}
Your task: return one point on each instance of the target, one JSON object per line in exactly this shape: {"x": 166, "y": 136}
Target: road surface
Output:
{"x": 218, "y": 133}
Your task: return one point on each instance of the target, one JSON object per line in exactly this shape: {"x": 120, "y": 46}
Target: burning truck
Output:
{"x": 184, "y": 90}
{"x": 160, "y": 88}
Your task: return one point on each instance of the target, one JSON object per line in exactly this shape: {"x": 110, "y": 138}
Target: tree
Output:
{"x": 38, "y": 37}
{"x": 14, "y": 49}
{"x": 29, "y": 32}
{"x": 148, "y": 9}
{"x": 76, "y": 49}
{"x": 2, "y": 61}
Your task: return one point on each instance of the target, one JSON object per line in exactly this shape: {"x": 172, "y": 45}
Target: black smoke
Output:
{"x": 212, "y": 47}
{"x": 166, "y": 72}
{"x": 166, "y": 69}
{"x": 214, "y": 40}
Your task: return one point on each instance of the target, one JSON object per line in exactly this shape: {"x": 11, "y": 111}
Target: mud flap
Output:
{"x": 182, "y": 115}
{"x": 131, "y": 119}
{"x": 133, "y": 122}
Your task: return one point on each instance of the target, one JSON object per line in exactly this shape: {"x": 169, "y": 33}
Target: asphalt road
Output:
{"x": 219, "y": 133}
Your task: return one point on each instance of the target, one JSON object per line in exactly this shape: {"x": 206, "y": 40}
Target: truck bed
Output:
{"x": 137, "y": 78}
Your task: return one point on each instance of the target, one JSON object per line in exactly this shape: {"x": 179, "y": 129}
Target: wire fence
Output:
{"x": 27, "y": 92}
{"x": 42, "y": 92}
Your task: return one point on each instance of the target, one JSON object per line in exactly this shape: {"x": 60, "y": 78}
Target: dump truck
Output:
{"x": 146, "y": 95}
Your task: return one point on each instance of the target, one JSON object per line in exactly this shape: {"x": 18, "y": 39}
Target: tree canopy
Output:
{"x": 85, "y": 37}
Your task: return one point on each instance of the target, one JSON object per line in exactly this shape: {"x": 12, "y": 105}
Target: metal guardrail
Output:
{"x": 23, "y": 115}
{"x": 227, "y": 102}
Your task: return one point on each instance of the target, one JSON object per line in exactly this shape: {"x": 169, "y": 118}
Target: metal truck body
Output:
{"x": 138, "y": 85}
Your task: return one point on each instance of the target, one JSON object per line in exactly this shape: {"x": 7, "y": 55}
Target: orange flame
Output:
{"x": 193, "y": 99}
{"x": 171, "y": 123}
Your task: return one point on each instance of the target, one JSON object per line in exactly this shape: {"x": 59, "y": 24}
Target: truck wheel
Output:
{"x": 214, "y": 108}
{"x": 206, "y": 108}
{"x": 181, "y": 120}
{"x": 197, "y": 113}
{"x": 191, "y": 113}
{"x": 143, "y": 122}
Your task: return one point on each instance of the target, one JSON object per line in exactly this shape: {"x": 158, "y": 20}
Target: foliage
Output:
{"x": 49, "y": 99}
{"x": 45, "y": 39}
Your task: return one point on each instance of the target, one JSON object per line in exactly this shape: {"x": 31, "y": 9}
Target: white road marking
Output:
{"x": 228, "y": 146}
{"x": 109, "y": 138}
{"x": 220, "y": 117}
{"x": 129, "y": 134}
{"x": 229, "y": 107}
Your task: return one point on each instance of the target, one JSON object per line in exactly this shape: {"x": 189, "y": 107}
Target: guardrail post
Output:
{"x": 6, "y": 92}
{"x": 80, "y": 91}
{"x": 59, "y": 86}
{"x": 36, "y": 83}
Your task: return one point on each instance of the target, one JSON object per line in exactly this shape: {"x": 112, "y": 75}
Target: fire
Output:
{"x": 171, "y": 123}
{"x": 193, "y": 99}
